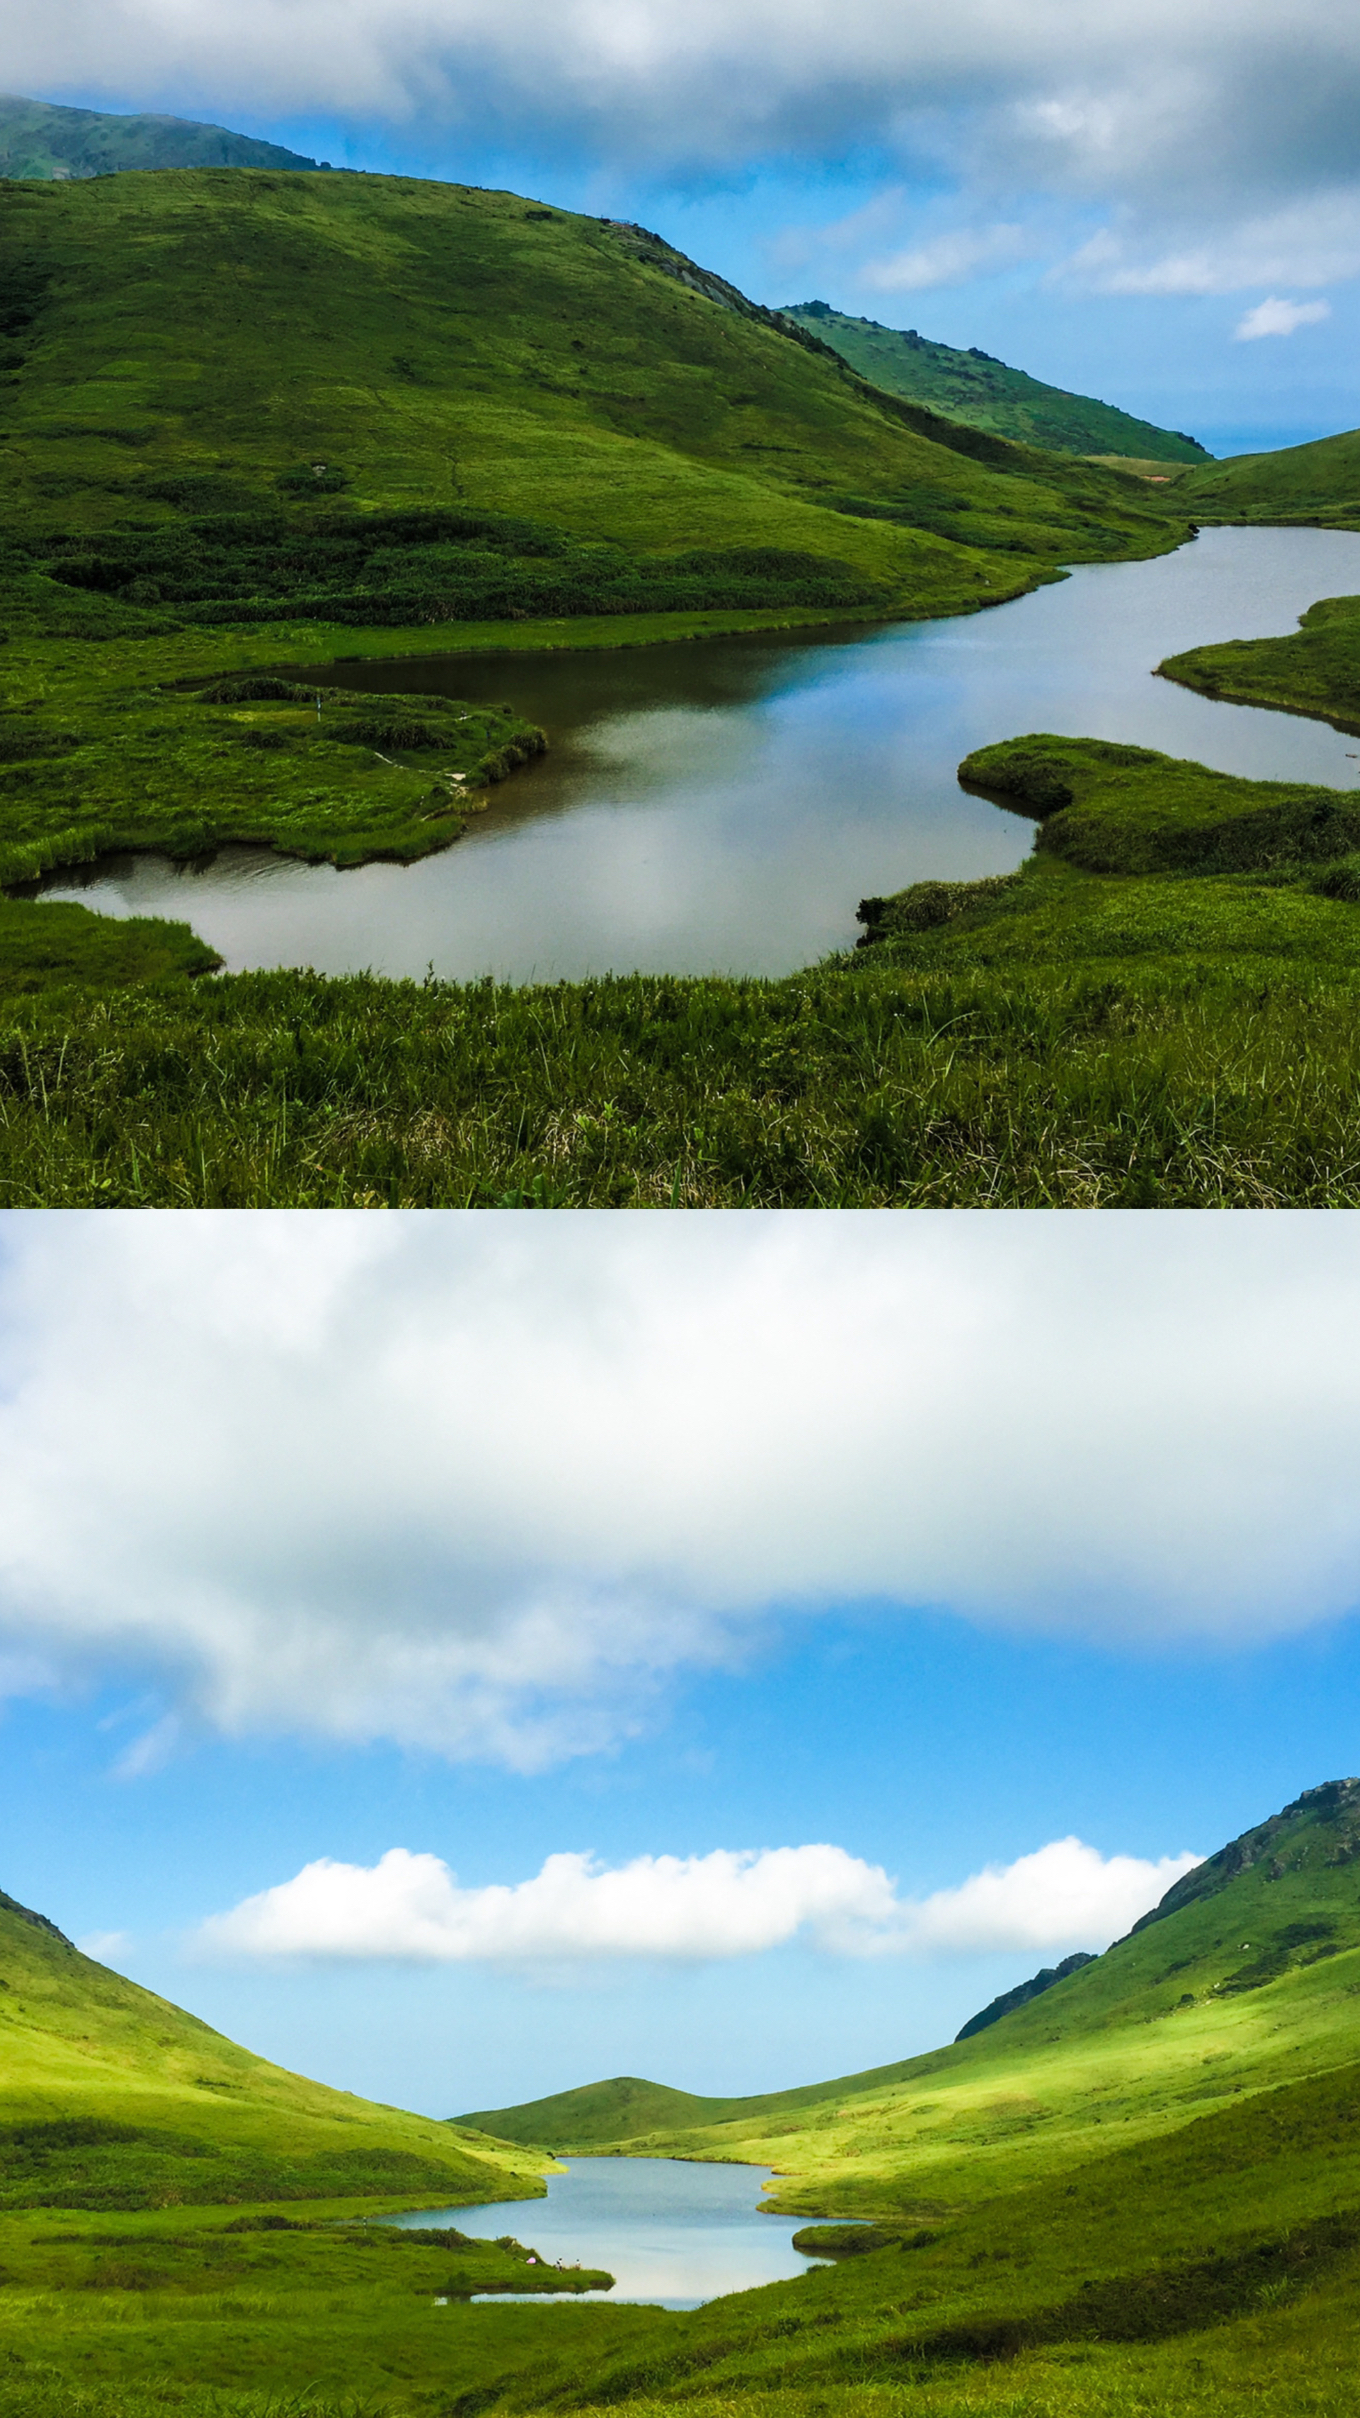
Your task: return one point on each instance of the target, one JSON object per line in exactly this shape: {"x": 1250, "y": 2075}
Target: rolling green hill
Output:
{"x": 984, "y": 393}
{"x": 1241, "y": 1981}
{"x": 1135, "y": 2196}
{"x": 1313, "y": 486}
{"x": 236, "y": 370}
{"x": 246, "y": 416}
{"x": 111, "y": 2098}
{"x": 39, "y": 139}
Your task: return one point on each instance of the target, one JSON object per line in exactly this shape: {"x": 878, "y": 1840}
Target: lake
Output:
{"x": 670, "y": 2233}
{"x": 723, "y": 805}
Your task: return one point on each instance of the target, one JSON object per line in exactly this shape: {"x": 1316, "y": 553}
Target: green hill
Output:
{"x": 1136, "y": 2193}
{"x": 230, "y": 374}
{"x": 113, "y": 2098}
{"x": 1241, "y": 1980}
{"x": 39, "y": 139}
{"x": 600, "y": 2111}
{"x": 1312, "y": 486}
{"x": 983, "y": 392}
{"x": 246, "y": 417}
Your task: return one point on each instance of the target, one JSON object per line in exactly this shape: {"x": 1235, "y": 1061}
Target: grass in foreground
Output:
{"x": 1228, "y": 1081}
{"x": 1158, "y": 1010}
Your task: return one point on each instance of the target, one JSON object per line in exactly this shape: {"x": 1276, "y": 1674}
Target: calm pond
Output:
{"x": 668, "y": 2232}
{"x": 723, "y": 805}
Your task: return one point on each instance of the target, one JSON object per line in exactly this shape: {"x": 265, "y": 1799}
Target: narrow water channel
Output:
{"x": 670, "y": 2233}
{"x": 723, "y": 805}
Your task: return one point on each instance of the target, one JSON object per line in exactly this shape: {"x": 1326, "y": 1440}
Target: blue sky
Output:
{"x": 353, "y": 1570}
{"x": 1105, "y": 195}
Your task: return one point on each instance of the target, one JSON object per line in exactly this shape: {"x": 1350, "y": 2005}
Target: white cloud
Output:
{"x": 1313, "y": 242}
{"x": 692, "y": 1907}
{"x": 947, "y": 259}
{"x": 1276, "y": 318}
{"x": 1134, "y": 97}
{"x": 485, "y": 1483}
{"x": 1064, "y": 1895}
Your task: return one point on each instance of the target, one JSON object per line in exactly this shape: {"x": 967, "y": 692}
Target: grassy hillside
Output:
{"x": 1021, "y": 1995}
{"x": 1137, "y": 2196}
{"x": 601, "y": 2111}
{"x": 434, "y": 347}
{"x": 983, "y": 392}
{"x": 1314, "y": 486}
{"x": 1242, "y": 1981}
{"x": 111, "y": 2098}
{"x": 245, "y": 417}
{"x": 38, "y": 139}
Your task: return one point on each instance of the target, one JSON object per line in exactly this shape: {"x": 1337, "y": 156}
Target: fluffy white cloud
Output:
{"x": 1134, "y": 97}
{"x": 1276, "y": 318}
{"x": 1064, "y": 1895}
{"x": 694, "y": 1907}
{"x": 484, "y": 1483}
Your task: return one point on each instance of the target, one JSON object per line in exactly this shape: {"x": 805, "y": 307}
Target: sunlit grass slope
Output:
{"x": 1244, "y": 1979}
{"x": 113, "y": 2098}
{"x": 1135, "y": 2197}
{"x": 1314, "y": 486}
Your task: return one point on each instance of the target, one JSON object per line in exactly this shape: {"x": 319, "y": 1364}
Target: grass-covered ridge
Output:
{"x": 974, "y": 387}
{"x": 111, "y": 2098}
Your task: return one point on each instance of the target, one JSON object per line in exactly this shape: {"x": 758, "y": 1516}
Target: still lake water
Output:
{"x": 723, "y": 805}
{"x": 669, "y": 2233}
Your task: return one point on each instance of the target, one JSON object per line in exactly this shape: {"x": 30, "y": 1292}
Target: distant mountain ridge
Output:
{"x": 42, "y": 140}
{"x": 985, "y": 393}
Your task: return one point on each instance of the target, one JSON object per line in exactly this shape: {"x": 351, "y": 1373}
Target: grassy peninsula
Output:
{"x": 1316, "y": 670}
{"x": 1137, "y": 2193}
